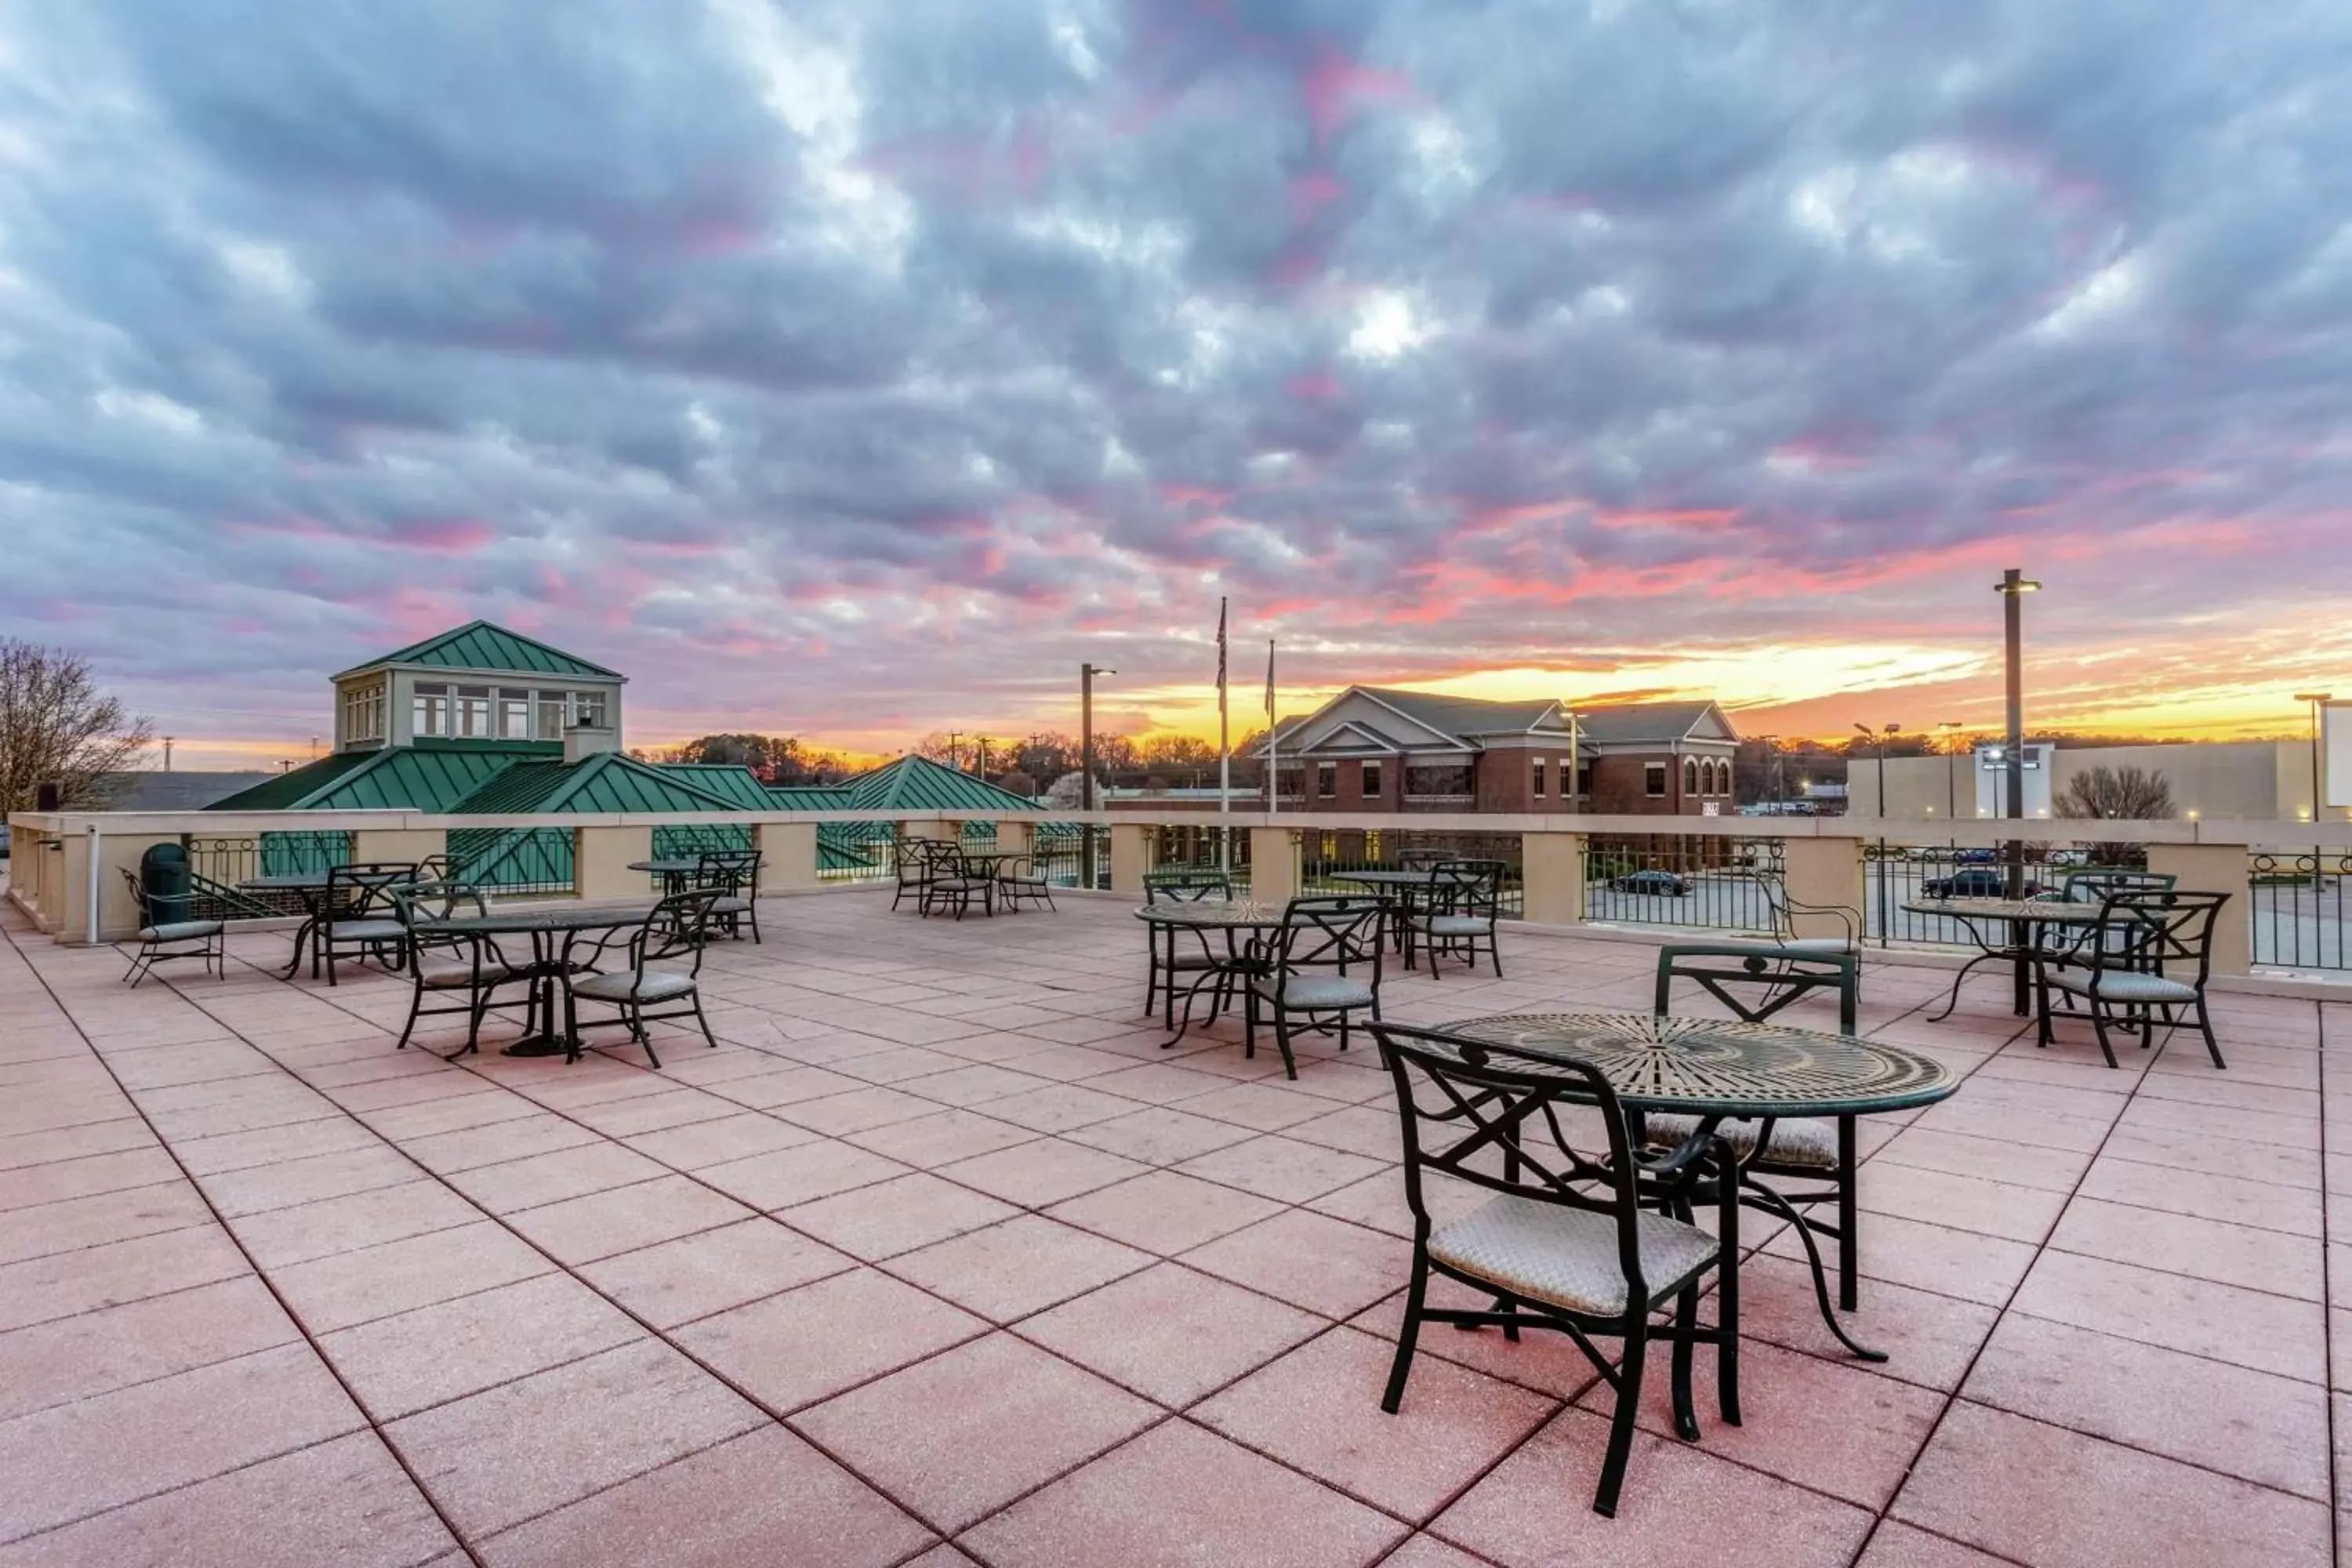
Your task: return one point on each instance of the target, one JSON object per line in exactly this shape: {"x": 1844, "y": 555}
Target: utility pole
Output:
{"x": 1881, "y": 735}
{"x": 955, "y": 754}
{"x": 1951, "y": 728}
{"x": 167, "y": 753}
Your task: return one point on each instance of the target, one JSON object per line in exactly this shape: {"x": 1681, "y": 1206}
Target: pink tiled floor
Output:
{"x": 940, "y": 1259}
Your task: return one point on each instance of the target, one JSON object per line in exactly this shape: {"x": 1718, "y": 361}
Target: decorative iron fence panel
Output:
{"x": 1188, "y": 848}
{"x": 1680, "y": 880}
{"x": 513, "y": 859}
{"x": 219, "y": 863}
{"x": 1893, "y": 875}
{"x": 1326, "y": 857}
{"x": 2301, "y": 902}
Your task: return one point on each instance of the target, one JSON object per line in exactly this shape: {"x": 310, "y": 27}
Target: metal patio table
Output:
{"x": 1205, "y": 915}
{"x": 310, "y": 887}
{"x": 546, "y": 968}
{"x": 2024, "y": 919}
{"x": 672, "y": 871}
{"x": 1394, "y": 881}
{"x": 1713, "y": 1068}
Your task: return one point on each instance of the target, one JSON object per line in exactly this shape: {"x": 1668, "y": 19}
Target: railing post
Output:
{"x": 1130, "y": 858}
{"x": 1826, "y": 873}
{"x": 600, "y": 864}
{"x": 1551, "y": 870}
{"x": 2216, "y": 868}
{"x": 1274, "y": 865}
{"x": 787, "y": 854}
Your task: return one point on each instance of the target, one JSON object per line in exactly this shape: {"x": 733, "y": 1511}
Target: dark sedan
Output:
{"x": 1664, "y": 882}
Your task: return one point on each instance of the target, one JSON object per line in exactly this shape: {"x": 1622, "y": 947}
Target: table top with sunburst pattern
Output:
{"x": 1719, "y": 1067}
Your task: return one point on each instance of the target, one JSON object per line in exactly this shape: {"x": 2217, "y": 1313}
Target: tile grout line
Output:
{"x": 308, "y": 1340}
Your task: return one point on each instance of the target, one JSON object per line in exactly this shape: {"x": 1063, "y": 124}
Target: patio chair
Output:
{"x": 2153, "y": 954}
{"x": 169, "y": 929}
{"x": 1175, "y": 952}
{"x": 1022, "y": 880}
{"x": 1568, "y": 1241}
{"x": 1786, "y": 911}
{"x": 955, "y": 882}
{"x": 1461, "y": 908}
{"x": 661, "y": 962}
{"x": 914, "y": 867}
{"x": 734, "y": 876}
{"x": 1322, "y": 966}
{"x": 2064, "y": 945}
{"x": 358, "y": 918}
{"x": 443, "y": 964}
{"x": 1755, "y": 985}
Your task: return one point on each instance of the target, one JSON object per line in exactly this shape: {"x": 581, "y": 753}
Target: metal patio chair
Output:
{"x": 445, "y": 965}
{"x": 734, "y": 876}
{"x": 1460, "y": 908}
{"x": 1755, "y": 984}
{"x": 357, "y": 918}
{"x": 1176, "y": 952}
{"x": 1321, "y": 966}
{"x": 660, "y": 962}
{"x": 169, "y": 929}
{"x": 2153, "y": 956}
{"x": 1572, "y": 1239}
{"x": 1022, "y": 880}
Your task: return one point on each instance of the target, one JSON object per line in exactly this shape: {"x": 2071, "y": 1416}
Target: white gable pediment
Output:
{"x": 1356, "y": 721}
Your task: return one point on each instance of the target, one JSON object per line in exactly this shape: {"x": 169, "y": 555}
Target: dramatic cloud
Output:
{"x": 859, "y": 369}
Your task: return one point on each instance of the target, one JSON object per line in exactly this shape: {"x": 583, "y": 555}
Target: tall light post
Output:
{"x": 1951, "y": 728}
{"x": 2012, "y": 588}
{"x": 1086, "y": 673}
{"x": 2316, "y": 698}
{"x": 1880, "y": 736}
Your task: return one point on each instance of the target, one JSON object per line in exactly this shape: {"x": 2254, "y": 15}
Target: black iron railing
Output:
{"x": 1703, "y": 882}
{"x": 2301, "y": 902}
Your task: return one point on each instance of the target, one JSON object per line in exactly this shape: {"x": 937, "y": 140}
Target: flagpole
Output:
{"x": 1273, "y": 766}
{"x": 1224, "y": 757}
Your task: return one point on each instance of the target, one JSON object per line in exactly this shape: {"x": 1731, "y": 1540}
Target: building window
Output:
{"x": 1690, "y": 776}
{"x": 472, "y": 712}
{"x": 1371, "y": 781}
{"x": 364, "y": 711}
{"x": 429, "y": 710}
{"x": 1445, "y": 782}
{"x": 514, "y": 714}
{"x": 1330, "y": 847}
{"x": 1583, "y": 778}
{"x": 590, "y": 708}
{"x": 1536, "y": 789}
{"x": 1372, "y": 846}
{"x": 1326, "y": 780}
{"x": 554, "y": 714}
{"x": 1653, "y": 778}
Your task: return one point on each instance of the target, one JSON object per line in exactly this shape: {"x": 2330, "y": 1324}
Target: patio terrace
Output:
{"x": 939, "y": 1257}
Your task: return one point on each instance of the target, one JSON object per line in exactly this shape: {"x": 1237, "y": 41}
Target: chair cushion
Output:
{"x": 1567, "y": 1257}
{"x": 1836, "y": 946}
{"x": 730, "y": 905}
{"x": 457, "y": 974}
{"x": 181, "y": 931}
{"x": 1455, "y": 925}
{"x": 366, "y": 931}
{"x": 1314, "y": 992}
{"x": 637, "y": 984}
{"x": 1801, "y": 1140}
{"x": 2122, "y": 985}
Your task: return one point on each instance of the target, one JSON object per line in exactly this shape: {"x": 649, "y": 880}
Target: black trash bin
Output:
{"x": 166, "y": 879}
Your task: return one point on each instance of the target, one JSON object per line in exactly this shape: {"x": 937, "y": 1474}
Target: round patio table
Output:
{"x": 2023, "y": 918}
{"x": 542, "y": 926}
{"x": 671, "y": 870}
{"x": 1711, "y": 1068}
{"x": 1205, "y": 915}
{"x": 1378, "y": 877}
{"x": 310, "y": 887}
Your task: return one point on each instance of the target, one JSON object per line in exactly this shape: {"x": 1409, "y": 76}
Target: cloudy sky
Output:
{"x": 859, "y": 369}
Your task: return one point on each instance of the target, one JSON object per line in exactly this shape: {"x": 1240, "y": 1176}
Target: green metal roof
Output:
{"x": 731, "y": 781}
{"x": 483, "y": 645}
{"x": 609, "y": 781}
{"x": 432, "y": 775}
{"x": 288, "y": 789}
{"x": 810, "y": 797}
{"x": 915, "y": 784}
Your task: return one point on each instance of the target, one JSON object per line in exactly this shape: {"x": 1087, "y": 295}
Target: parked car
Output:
{"x": 1977, "y": 882}
{"x": 1978, "y": 858}
{"x": 1664, "y": 882}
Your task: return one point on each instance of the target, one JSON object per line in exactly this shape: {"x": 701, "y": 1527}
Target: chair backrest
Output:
{"x": 1491, "y": 1117}
{"x": 2092, "y": 887}
{"x": 1785, "y": 909}
{"x": 678, "y": 926}
{"x": 1421, "y": 859}
{"x": 155, "y": 906}
{"x": 365, "y": 886}
{"x": 2159, "y": 933}
{"x": 728, "y": 871}
{"x": 1185, "y": 887}
{"x": 913, "y": 859}
{"x": 1465, "y": 888}
{"x": 1755, "y": 983}
{"x": 1339, "y": 933}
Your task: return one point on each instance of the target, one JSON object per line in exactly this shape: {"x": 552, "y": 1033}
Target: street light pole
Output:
{"x": 1086, "y": 673}
{"x": 1951, "y": 728}
{"x": 2012, "y": 588}
{"x": 2315, "y": 698}
{"x": 1881, "y": 736}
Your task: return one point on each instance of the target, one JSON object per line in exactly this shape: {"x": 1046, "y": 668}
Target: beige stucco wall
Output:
{"x": 2251, "y": 781}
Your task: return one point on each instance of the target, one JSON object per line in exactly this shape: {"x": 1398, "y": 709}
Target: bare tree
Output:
{"x": 2126, "y": 795}
{"x": 56, "y": 726}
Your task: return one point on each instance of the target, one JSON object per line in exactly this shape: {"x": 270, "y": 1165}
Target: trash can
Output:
{"x": 165, "y": 881}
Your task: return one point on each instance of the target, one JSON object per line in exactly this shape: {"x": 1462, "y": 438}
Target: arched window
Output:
{"x": 1718, "y": 777}
{"x": 1690, "y": 775}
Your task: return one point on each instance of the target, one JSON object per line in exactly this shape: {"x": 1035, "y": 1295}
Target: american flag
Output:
{"x": 1221, "y": 648}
